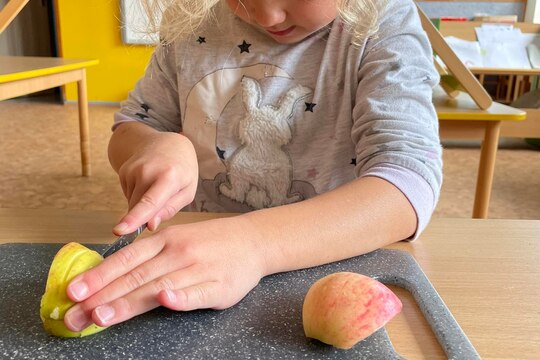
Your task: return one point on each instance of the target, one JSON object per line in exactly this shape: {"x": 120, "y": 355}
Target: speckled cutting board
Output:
{"x": 267, "y": 324}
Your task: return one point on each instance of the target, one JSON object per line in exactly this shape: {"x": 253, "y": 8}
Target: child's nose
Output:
{"x": 269, "y": 15}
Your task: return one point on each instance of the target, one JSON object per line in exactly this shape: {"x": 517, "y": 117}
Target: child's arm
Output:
{"x": 214, "y": 264}
{"x": 356, "y": 218}
{"x": 158, "y": 173}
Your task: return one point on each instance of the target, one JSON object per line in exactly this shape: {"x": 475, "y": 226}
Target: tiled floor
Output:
{"x": 40, "y": 166}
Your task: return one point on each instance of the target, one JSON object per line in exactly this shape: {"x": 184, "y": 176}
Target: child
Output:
{"x": 312, "y": 118}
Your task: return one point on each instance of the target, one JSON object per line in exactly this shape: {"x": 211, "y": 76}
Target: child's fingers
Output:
{"x": 170, "y": 209}
{"x": 199, "y": 296}
{"x": 120, "y": 263}
{"x": 146, "y": 206}
{"x": 138, "y": 301}
{"x": 124, "y": 186}
{"x": 137, "y": 278}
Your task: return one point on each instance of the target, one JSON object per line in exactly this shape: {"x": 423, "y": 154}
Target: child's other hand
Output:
{"x": 158, "y": 180}
{"x": 211, "y": 264}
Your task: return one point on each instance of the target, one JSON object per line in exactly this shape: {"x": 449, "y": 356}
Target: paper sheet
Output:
{"x": 468, "y": 52}
{"x": 506, "y": 55}
{"x": 498, "y": 46}
{"x": 489, "y": 33}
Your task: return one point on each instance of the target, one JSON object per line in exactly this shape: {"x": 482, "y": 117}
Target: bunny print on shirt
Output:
{"x": 259, "y": 172}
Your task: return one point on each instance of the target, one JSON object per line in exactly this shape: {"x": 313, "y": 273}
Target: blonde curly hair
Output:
{"x": 180, "y": 18}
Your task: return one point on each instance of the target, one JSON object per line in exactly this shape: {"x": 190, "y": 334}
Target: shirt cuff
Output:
{"x": 120, "y": 118}
{"x": 415, "y": 188}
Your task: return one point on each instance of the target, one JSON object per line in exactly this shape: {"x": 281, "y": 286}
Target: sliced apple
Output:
{"x": 71, "y": 260}
{"x": 344, "y": 308}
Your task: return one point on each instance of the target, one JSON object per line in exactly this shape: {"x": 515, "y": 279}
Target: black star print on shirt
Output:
{"x": 201, "y": 40}
{"x": 142, "y": 116}
{"x": 310, "y": 106}
{"x": 221, "y": 153}
{"x": 145, "y": 107}
{"x": 244, "y": 47}
{"x": 353, "y": 161}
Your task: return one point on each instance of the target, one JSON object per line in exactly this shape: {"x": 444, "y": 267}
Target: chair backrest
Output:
{"x": 462, "y": 74}
{"x": 9, "y": 11}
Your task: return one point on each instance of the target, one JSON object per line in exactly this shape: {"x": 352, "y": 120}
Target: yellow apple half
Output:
{"x": 344, "y": 308}
{"x": 71, "y": 260}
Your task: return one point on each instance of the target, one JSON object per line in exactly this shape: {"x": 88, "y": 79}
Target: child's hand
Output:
{"x": 158, "y": 180}
{"x": 211, "y": 264}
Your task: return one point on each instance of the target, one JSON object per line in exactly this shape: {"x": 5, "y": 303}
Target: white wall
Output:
{"x": 532, "y": 13}
{"x": 468, "y": 9}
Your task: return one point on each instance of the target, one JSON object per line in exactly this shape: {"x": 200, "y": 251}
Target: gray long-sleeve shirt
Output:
{"x": 274, "y": 123}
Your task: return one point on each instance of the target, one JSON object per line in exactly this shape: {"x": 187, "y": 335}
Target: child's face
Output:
{"x": 286, "y": 21}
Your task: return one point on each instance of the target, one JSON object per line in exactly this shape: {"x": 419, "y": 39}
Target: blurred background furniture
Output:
{"x": 460, "y": 118}
{"x": 466, "y": 111}
{"x": 504, "y": 84}
{"x": 22, "y": 75}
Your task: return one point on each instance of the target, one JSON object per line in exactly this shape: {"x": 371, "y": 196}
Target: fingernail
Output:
{"x": 104, "y": 313}
{"x": 120, "y": 227}
{"x": 157, "y": 222}
{"x": 78, "y": 289}
{"x": 170, "y": 295}
{"x": 77, "y": 320}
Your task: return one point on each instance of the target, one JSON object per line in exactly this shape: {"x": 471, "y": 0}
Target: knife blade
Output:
{"x": 123, "y": 240}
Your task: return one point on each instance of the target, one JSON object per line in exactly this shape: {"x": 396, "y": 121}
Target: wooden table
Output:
{"x": 461, "y": 118}
{"x": 486, "y": 271}
{"x": 22, "y": 75}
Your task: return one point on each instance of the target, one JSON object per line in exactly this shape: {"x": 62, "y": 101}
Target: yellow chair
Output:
{"x": 22, "y": 75}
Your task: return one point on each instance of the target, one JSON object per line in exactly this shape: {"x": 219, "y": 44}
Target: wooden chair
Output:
{"x": 468, "y": 113}
{"x": 22, "y": 75}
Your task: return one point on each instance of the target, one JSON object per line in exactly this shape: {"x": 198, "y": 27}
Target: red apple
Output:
{"x": 344, "y": 308}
